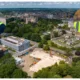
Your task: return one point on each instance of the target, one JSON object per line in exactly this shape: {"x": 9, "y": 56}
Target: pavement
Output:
{"x": 46, "y": 60}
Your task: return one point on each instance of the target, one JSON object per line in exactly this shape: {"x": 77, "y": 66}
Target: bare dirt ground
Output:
{"x": 28, "y": 61}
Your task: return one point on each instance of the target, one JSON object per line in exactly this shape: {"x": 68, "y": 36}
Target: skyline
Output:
{"x": 39, "y": 4}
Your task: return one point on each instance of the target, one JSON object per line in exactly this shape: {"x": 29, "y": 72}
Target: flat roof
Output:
{"x": 14, "y": 40}
{"x": 46, "y": 60}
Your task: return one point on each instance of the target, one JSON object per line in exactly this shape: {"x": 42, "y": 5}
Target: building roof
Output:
{"x": 14, "y": 40}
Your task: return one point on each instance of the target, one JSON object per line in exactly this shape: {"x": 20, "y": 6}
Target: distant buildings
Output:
{"x": 70, "y": 23}
{"x": 49, "y": 16}
{"x": 31, "y": 19}
{"x": 18, "y": 44}
{"x": 3, "y": 20}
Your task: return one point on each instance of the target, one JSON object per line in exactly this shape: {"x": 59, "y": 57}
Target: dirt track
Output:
{"x": 27, "y": 63}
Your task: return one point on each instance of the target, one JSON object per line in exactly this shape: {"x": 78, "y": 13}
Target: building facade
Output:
{"x": 18, "y": 44}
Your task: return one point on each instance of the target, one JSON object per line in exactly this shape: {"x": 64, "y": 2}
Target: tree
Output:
{"x": 76, "y": 59}
{"x": 36, "y": 37}
{"x": 56, "y": 34}
{"x": 56, "y": 71}
{"x": 46, "y": 47}
{"x": 44, "y": 41}
{"x": 19, "y": 74}
{"x": 20, "y": 31}
{"x": 15, "y": 30}
{"x": 41, "y": 73}
{"x": 56, "y": 76}
{"x": 8, "y": 68}
{"x": 5, "y": 57}
{"x": 75, "y": 73}
{"x": 7, "y": 30}
{"x": 46, "y": 37}
{"x": 64, "y": 69}
{"x": 65, "y": 27}
{"x": 40, "y": 45}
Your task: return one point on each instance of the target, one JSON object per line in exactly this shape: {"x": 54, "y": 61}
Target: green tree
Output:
{"x": 19, "y": 74}
{"x": 55, "y": 76}
{"x": 56, "y": 34}
{"x": 46, "y": 47}
{"x": 8, "y": 68}
{"x": 7, "y": 30}
{"x": 44, "y": 41}
{"x": 75, "y": 73}
{"x": 56, "y": 71}
{"x": 35, "y": 37}
{"x": 40, "y": 45}
{"x": 47, "y": 37}
{"x": 15, "y": 30}
{"x": 64, "y": 69}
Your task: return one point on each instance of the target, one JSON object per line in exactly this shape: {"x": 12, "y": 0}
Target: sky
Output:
{"x": 39, "y": 4}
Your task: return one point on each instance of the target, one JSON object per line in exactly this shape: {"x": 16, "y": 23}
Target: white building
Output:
{"x": 3, "y": 20}
{"x": 18, "y": 44}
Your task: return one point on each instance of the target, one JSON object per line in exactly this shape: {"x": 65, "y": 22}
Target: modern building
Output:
{"x": 17, "y": 44}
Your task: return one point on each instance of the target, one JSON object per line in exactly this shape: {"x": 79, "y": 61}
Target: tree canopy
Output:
{"x": 31, "y": 31}
{"x": 55, "y": 71}
{"x": 8, "y": 68}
